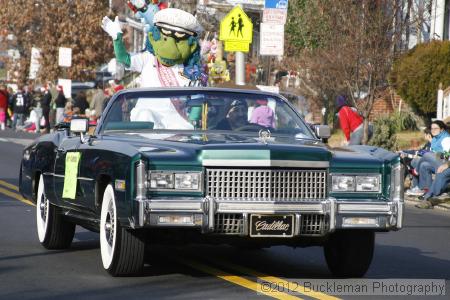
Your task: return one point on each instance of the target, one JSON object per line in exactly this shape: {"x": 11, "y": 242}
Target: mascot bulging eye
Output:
{"x": 166, "y": 32}
{"x": 180, "y": 35}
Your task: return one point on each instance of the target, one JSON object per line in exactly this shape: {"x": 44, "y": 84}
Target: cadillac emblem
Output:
{"x": 264, "y": 135}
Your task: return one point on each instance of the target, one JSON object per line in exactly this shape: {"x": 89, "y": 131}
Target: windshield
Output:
{"x": 202, "y": 111}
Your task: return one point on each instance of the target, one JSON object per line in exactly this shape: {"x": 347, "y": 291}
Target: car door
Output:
{"x": 90, "y": 162}
{"x": 70, "y": 144}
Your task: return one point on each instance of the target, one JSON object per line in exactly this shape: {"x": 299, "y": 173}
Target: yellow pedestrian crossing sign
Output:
{"x": 236, "y": 26}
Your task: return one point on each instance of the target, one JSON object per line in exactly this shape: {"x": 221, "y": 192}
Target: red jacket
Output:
{"x": 4, "y": 99}
{"x": 349, "y": 120}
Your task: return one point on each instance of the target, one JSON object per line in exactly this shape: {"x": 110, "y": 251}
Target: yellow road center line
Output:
{"x": 255, "y": 286}
{"x": 282, "y": 283}
{"x": 9, "y": 185}
{"x": 15, "y": 196}
{"x": 267, "y": 290}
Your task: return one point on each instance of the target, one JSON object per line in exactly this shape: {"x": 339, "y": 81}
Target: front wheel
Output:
{"x": 349, "y": 253}
{"x": 54, "y": 231}
{"x": 122, "y": 250}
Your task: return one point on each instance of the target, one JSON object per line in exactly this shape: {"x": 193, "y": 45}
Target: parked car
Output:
{"x": 210, "y": 165}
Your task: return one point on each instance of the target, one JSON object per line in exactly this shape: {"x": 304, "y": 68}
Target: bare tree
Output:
{"x": 50, "y": 24}
{"x": 353, "y": 51}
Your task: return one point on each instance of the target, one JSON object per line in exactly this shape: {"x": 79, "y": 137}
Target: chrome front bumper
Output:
{"x": 203, "y": 211}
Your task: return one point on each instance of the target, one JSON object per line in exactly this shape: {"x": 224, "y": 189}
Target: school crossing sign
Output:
{"x": 236, "y": 30}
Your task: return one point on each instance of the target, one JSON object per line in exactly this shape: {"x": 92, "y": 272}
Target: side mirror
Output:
{"x": 322, "y": 131}
{"x": 79, "y": 125}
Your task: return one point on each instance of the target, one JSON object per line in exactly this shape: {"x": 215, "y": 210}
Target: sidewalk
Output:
{"x": 413, "y": 201}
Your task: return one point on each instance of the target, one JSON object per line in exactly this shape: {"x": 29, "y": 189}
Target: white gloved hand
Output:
{"x": 111, "y": 28}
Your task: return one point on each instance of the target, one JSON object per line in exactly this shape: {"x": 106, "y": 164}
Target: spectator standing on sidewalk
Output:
{"x": 4, "y": 97}
{"x": 37, "y": 116}
{"x": 81, "y": 102}
{"x": 98, "y": 101}
{"x": 9, "y": 115}
{"x": 352, "y": 124}
{"x": 60, "y": 103}
{"x": 20, "y": 102}
{"x": 46, "y": 101}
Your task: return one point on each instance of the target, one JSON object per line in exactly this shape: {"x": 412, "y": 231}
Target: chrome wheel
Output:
{"x": 108, "y": 227}
{"x": 42, "y": 212}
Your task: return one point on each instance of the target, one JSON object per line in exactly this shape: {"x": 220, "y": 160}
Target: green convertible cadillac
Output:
{"x": 210, "y": 165}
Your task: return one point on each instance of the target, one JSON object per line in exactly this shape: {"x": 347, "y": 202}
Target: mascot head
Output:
{"x": 173, "y": 39}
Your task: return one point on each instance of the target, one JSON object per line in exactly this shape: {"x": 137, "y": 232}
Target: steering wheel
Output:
{"x": 250, "y": 127}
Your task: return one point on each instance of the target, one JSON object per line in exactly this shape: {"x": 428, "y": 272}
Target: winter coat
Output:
{"x": 60, "y": 100}
{"x": 349, "y": 120}
{"x": 20, "y": 103}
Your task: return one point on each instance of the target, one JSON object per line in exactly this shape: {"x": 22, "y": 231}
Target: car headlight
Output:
{"x": 343, "y": 183}
{"x": 166, "y": 180}
{"x": 187, "y": 181}
{"x": 367, "y": 183}
{"x": 356, "y": 183}
{"x": 161, "y": 180}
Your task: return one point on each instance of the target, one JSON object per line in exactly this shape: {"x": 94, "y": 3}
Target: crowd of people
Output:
{"x": 428, "y": 167}
{"x": 23, "y": 108}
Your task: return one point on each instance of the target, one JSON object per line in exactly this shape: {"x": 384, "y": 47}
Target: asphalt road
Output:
{"x": 27, "y": 271}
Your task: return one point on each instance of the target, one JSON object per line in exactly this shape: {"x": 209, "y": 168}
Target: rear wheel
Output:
{"x": 122, "y": 250}
{"x": 349, "y": 253}
{"x": 54, "y": 231}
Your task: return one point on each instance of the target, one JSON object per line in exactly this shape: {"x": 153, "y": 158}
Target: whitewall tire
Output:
{"x": 54, "y": 232}
{"x": 122, "y": 250}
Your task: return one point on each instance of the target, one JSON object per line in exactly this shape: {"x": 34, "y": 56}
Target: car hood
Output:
{"x": 218, "y": 149}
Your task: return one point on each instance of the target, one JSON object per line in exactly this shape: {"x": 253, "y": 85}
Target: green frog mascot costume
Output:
{"x": 172, "y": 53}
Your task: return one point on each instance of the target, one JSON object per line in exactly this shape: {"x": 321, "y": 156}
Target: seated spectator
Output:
{"x": 435, "y": 194}
{"x": 410, "y": 158}
{"x": 413, "y": 153}
{"x": 263, "y": 115}
{"x": 430, "y": 161}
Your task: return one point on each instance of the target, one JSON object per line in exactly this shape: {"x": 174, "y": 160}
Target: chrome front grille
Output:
{"x": 310, "y": 224}
{"x": 228, "y": 223}
{"x": 266, "y": 185}
{"x": 313, "y": 224}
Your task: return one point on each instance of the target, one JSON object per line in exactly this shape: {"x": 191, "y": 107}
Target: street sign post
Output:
{"x": 272, "y": 39}
{"x": 65, "y": 57}
{"x": 236, "y": 30}
{"x": 236, "y": 27}
{"x": 275, "y": 15}
{"x": 276, "y": 4}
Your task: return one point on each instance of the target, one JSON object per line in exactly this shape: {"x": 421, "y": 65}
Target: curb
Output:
{"x": 442, "y": 206}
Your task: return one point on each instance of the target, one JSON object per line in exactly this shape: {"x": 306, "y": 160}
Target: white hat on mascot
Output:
{"x": 178, "y": 20}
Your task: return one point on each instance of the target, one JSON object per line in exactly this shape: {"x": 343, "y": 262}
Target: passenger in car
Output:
{"x": 263, "y": 115}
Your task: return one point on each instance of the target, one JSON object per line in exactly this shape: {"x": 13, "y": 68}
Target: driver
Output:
{"x": 237, "y": 116}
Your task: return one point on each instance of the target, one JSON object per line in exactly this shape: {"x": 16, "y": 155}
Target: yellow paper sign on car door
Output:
{"x": 70, "y": 176}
